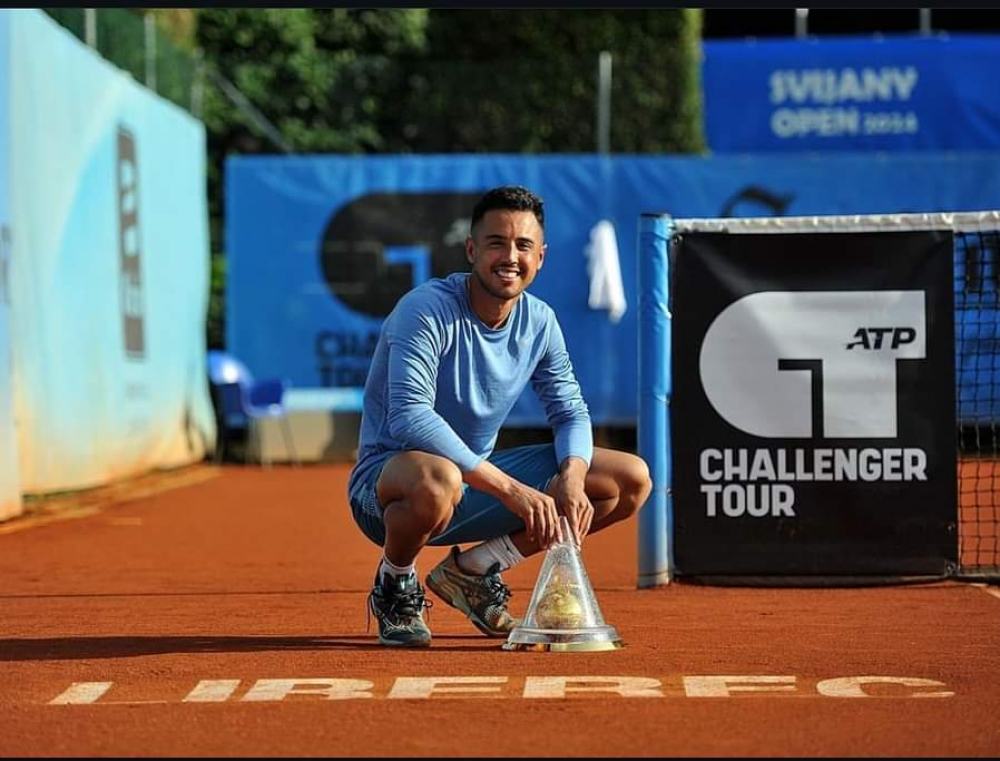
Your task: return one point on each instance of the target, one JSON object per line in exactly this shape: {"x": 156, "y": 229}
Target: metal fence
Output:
{"x": 129, "y": 38}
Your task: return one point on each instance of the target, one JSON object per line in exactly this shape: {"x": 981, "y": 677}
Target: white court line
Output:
{"x": 995, "y": 591}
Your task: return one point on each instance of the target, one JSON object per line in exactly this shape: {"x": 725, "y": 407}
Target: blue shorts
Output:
{"x": 478, "y": 516}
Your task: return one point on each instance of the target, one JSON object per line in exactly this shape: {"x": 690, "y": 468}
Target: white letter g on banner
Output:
{"x": 773, "y": 363}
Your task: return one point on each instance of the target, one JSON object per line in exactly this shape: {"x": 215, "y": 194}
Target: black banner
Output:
{"x": 812, "y": 413}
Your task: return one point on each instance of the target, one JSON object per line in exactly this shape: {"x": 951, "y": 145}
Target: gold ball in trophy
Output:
{"x": 559, "y": 609}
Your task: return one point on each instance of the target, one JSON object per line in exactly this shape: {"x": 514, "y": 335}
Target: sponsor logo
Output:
{"x": 872, "y": 338}
{"x": 380, "y": 245}
{"x": 770, "y": 360}
{"x": 796, "y": 364}
{"x": 130, "y": 246}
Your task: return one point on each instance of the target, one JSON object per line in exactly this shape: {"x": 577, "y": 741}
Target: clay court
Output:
{"x": 220, "y": 611}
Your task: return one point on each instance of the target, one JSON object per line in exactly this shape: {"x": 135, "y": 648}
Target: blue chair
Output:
{"x": 242, "y": 402}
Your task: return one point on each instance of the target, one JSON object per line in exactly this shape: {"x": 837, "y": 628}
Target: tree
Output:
{"x": 442, "y": 81}
{"x": 525, "y": 81}
{"x": 327, "y": 79}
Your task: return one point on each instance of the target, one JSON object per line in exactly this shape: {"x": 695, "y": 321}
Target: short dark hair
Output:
{"x": 510, "y": 198}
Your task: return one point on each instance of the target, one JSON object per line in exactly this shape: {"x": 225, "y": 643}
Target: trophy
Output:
{"x": 563, "y": 614}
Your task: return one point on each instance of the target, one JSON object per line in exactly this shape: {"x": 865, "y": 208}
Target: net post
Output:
{"x": 655, "y": 519}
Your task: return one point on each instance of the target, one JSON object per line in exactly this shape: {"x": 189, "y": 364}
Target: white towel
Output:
{"x": 606, "y": 291}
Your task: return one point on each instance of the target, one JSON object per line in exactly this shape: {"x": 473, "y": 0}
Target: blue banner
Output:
{"x": 895, "y": 93}
{"x": 10, "y": 495}
{"x": 320, "y": 248}
{"x": 109, "y": 283}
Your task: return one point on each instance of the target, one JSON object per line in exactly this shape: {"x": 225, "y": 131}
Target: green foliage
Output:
{"x": 321, "y": 76}
{"x": 365, "y": 80}
{"x": 327, "y": 79}
{"x": 525, "y": 81}
{"x": 216, "y": 319}
{"x": 442, "y": 81}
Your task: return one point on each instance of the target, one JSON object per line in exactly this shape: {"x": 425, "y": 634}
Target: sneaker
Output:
{"x": 482, "y": 598}
{"x": 398, "y": 604}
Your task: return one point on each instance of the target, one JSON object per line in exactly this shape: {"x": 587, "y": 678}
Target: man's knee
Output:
{"x": 634, "y": 485}
{"x": 435, "y": 491}
{"x": 426, "y": 486}
{"x": 636, "y": 479}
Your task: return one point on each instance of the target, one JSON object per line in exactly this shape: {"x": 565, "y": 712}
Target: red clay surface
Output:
{"x": 258, "y": 575}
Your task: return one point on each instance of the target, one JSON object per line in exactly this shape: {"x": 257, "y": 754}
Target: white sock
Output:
{"x": 388, "y": 567}
{"x": 481, "y": 558}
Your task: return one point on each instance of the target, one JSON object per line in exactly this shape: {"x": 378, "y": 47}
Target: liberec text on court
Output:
{"x": 426, "y": 687}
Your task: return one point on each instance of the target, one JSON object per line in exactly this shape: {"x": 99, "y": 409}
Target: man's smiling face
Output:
{"x": 506, "y": 250}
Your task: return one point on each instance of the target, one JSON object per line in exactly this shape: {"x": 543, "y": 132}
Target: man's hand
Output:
{"x": 537, "y": 510}
{"x": 571, "y": 497}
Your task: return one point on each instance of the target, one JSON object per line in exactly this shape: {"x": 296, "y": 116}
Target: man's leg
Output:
{"x": 470, "y": 581}
{"x": 418, "y": 493}
{"x": 617, "y": 484}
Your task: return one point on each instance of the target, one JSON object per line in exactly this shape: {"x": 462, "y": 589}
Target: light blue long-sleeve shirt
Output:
{"x": 441, "y": 381}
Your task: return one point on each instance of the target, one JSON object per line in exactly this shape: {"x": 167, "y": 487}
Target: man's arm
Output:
{"x": 557, "y": 388}
{"x": 571, "y": 496}
{"x": 535, "y": 508}
{"x": 559, "y": 392}
{"x": 414, "y": 357}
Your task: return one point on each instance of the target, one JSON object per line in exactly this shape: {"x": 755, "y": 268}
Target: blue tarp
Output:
{"x": 110, "y": 266}
{"x": 319, "y": 246}
{"x": 10, "y": 494}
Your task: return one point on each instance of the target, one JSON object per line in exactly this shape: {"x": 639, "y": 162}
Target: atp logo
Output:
{"x": 796, "y": 364}
{"x": 380, "y": 245}
{"x": 872, "y": 338}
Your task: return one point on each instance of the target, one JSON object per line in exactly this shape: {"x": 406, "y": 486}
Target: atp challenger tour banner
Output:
{"x": 897, "y": 93}
{"x": 813, "y": 406}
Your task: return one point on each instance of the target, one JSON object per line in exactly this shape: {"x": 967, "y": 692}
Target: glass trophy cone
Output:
{"x": 563, "y": 614}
